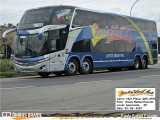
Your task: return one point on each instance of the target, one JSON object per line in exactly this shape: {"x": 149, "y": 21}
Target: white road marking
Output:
{"x": 92, "y": 82}
{"x": 16, "y": 88}
{"x": 151, "y": 76}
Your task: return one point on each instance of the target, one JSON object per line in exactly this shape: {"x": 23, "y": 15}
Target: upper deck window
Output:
{"x": 82, "y": 18}
{"x": 112, "y": 21}
{"x": 63, "y": 16}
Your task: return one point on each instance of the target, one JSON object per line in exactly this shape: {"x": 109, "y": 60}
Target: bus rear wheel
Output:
{"x": 44, "y": 74}
{"x": 72, "y": 67}
{"x": 144, "y": 63}
{"x": 86, "y": 67}
{"x": 137, "y": 64}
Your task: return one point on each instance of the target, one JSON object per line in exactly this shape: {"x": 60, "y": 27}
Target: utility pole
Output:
{"x": 132, "y": 7}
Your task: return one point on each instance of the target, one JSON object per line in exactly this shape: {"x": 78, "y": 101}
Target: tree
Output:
{"x": 10, "y": 25}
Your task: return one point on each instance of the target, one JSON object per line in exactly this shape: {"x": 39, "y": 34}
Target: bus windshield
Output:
{"x": 35, "y": 18}
{"x": 30, "y": 46}
{"x": 38, "y": 18}
{"x": 39, "y": 15}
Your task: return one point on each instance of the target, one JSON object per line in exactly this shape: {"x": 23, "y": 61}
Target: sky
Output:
{"x": 12, "y": 10}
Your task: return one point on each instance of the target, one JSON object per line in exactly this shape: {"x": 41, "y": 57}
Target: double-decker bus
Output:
{"x": 70, "y": 40}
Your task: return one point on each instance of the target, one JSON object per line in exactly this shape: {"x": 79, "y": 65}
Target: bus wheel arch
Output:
{"x": 144, "y": 62}
{"x": 72, "y": 66}
{"x": 86, "y": 66}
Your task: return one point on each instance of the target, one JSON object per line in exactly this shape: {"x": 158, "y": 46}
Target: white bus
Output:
{"x": 70, "y": 40}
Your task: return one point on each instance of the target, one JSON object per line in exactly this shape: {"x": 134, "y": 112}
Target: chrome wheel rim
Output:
{"x": 71, "y": 67}
{"x": 85, "y": 66}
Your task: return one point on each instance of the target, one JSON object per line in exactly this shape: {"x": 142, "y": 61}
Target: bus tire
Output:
{"x": 144, "y": 63}
{"x": 44, "y": 74}
{"x": 137, "y": 63}
{"x": 72, "y": 67}
{"x": 86, "y": 67}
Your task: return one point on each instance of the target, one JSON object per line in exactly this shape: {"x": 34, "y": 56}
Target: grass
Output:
{"x": 7, "y": 69}
{"x": 6, "y": 65}
{"x": 16, "y": 74}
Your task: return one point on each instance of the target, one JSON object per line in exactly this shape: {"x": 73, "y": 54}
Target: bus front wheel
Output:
{"x": 86, "y": 67}
{"x": 72, "y": 67}
{"x": 44, "y": 74}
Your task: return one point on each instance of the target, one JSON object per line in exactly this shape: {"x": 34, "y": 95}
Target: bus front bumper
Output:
{"x": 31, "y": 67}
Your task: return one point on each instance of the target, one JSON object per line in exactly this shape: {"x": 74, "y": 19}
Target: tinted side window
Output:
{"x": 125, "y": 24}
{"x": 100, "y": 19}
{"x": 102, "y": 46}
{"x": 153, "y": 28}
{"x": 57, "y": 39}
{"x": 82, "y": 18}
{"x": 112, "y": 21}
{"x": 144, "y": 25}
{"x": 120, "y": 46}
{"x": 53, "y": 38}
{"x": 81, "y": 46}
{"x": 130, "y": 47}
{"x": 154, "y": 46}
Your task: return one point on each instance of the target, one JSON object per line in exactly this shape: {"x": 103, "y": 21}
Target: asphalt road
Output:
{"x": 94, "y": 92}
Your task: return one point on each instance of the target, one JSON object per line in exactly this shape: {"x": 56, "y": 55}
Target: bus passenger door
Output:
{"x": 54, "y": 56}
{"x": 57, "y": 42}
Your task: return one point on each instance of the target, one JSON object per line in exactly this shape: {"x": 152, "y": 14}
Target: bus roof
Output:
{"x": 56, "y": 6}
{"x": 115, "y": 14}
{"x": 93, "y": 11}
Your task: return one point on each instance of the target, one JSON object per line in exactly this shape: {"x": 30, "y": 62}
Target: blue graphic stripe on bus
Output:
{"x": 108, "y": 59}
{"x": 85, "y": 33}
{"x": 27, "y": 60}
{"x": 23, "y": 32}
